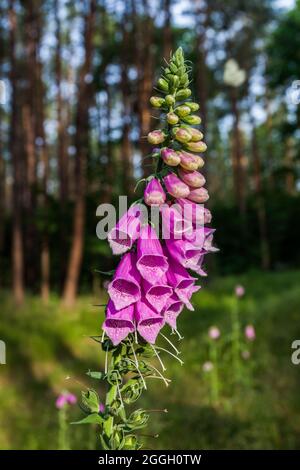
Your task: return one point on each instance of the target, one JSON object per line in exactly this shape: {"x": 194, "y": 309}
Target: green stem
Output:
{"x": 62, "y": 429}
{"x": 215, "y": 386}
{"x": 236, "y": 349}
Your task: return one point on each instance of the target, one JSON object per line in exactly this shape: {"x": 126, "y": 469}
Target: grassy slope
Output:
{"x": 44, "y": 345}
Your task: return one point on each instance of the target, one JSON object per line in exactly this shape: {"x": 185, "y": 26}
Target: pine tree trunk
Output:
{"x": 167, "y": 30}
{"x": 260, "y": 204}
{"x": 144, "y": 29}
{"x": 127, "y": 170}
{"x": 17, "y": 235}
{"x": 238, "y": 170}
{"x": 81, "y": 144}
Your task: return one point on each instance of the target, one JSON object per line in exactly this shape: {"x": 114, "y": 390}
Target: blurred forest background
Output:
{"x": 76, "y": 77}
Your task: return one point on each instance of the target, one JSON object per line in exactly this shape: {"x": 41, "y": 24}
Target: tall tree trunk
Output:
{"x": 238, "y": 170}
{"x": 62, "y": 154}
{"x": 144, "y": 29}
{"x": 16, "y": 155}
{"x": 260, "y": 204}
{"x": 29, "y": 117}
{"x": 44, "y": 165}
{"x": 81, "y": 144}
{"x": 127, "y": 171}
{"x": 167, "y": 30}
{"x": 289, "y": 166}
{"x": 201, "y": 10}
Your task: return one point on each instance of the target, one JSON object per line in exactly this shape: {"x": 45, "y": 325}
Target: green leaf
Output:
{"x": 96, "y": 375}
{"x": 90, "y": 400}
{"x": 93, "y": 418}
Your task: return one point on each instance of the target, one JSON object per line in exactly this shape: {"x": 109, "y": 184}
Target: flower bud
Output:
{"x": 163, "y": 84}
{"x": 170, "y": 157}
{"x": 184, "y": 79}
{"x": 193, "y": 120}
{"x": 182, "y": 111}
{"x": 156, "y": 101}
{"x": 173, "y": 68}
{"x": 188, "y": 161}
{"x": 193, "y": 106}
{"x": 196, "y": 146}
{"x": 182, "y": 135}
{"x": 172, "y": 118}
{"x": 174, "y": 80}
{"x": 199, "y": 195}
{"x": 170, "y": 100}
{"x": 154, "y": 194}
{"x": 194, "y": 179}
{"x": 175, "y": 186}
{"x": 196, "y": 134}
{"x": 183, "y": 94}
{"x": 156, "y": 137}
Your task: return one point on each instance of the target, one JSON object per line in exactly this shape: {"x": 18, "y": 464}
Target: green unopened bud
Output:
{"x": 173, "y": 67}
{"x": 163, "y": 84}
{"x": 196, "y": 146}
{"x": 196, "y": 134}
{"x": 172, "y": 118}
{"x": 156, "y": 137}
{"x": 193, "y": 120}
{"x": 170, "y": 100}
{"x": 184, "y": 79}
{"x": 182, "y": 135}
{"x": 193, "y": 106}
{"x": 174, "y": 81}
{"x": 156, "y": 101}
{"x": 182, "y": 111}
{"x": 183, "y": 94}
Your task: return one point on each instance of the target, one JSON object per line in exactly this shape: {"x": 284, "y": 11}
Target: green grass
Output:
{"x": 262, "y": 410}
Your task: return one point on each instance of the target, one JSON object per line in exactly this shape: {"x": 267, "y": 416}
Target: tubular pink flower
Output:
{"x": 151, "y": 262}
{"x": 199, "y": 195}
{"x": 157, "y": 294}
{"x": 192, "y": 211}
{"x": 154, "y": 194}
{"x": 182, "y": 282}
{"x": 149, "y": 322}
{"x": 118, "y": 323}
{"x": 127, "y": 230}
{"x": 124, "y": 289}
{"x": 184, "y": 252}
{"x": 173, "y": 308}
{"x": 208, "y": 247}
{"x": 194, "y": 179}
{"x": 175, "y": 186}
{"x": 173, "y": 224}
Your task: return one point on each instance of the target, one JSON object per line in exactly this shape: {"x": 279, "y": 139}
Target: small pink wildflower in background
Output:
{"x": 64, "y": 399}
{"x": 214, "y": 332}
{"x": 207, "y": 366}
{"x": 239, "y": 291}
{"x": 250, "y": 332}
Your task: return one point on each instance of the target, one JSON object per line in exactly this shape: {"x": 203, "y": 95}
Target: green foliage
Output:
{"x": 45, "y": 344}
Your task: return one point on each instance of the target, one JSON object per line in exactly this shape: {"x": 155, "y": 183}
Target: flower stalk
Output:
{"x": 152, "y": 284}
